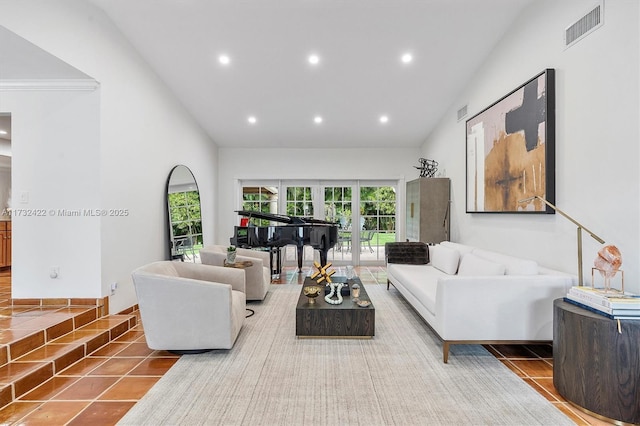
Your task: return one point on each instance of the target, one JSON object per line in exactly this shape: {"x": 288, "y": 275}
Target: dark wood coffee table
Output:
{"x": 325, "y": 320}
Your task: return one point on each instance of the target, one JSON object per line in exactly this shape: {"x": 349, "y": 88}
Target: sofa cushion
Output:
{"x": 513, "y": 265}
{"x": 445, "y": 259}
{"x": 461, "y": 248}
{"x": 421, "y": 281}
{"x": 475, "y": 265}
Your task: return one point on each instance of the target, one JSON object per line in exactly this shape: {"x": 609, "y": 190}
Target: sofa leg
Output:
{"x": 445, "y": 352}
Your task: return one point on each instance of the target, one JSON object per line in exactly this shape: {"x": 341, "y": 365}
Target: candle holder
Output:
{"x": 355, "y": 290}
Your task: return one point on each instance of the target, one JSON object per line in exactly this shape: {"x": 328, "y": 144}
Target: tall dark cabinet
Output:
{"x": 428, "y": 210}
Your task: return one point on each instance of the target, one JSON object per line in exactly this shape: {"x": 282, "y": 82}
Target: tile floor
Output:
{"x": 103, "y": 386}
{"x": 98, "y": 389}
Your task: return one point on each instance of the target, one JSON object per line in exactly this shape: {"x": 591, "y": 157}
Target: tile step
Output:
{"x": 31, "y": 359}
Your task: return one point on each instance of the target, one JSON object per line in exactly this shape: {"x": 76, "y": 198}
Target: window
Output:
{"x": 377, "y": 219}
{"x": 299, "y": 201}
{"x": 364, "y": 211}
{"x": 338, "y": 208}
{"x": 260, "y": 199}
{"x": 337, "y": 205}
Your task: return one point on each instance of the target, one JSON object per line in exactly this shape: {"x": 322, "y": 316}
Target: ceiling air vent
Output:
{"x": 462, "y": 113}
{"x": 590, "y": 22}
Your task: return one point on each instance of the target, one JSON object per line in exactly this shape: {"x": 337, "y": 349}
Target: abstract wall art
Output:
{"x": 511, "y": 151}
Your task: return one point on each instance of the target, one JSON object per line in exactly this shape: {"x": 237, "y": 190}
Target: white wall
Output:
{"x": 597, "y": 136}
{"x": 55, "y": 166}
{"x": 317, "y": 164}
{"x": 124, "y": 139}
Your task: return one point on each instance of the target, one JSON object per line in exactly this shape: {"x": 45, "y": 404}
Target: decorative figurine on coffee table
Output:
{"x": 355, "y": 292}
{"x": 336, "y": 289}
{"x": 312, "y": 291}
{"x": 322, "y": 273}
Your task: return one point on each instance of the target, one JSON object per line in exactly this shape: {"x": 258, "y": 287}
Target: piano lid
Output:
{"x": 293, "y": 220}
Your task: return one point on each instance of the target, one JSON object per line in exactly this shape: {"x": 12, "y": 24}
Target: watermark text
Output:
{"x": 65, "y": 212}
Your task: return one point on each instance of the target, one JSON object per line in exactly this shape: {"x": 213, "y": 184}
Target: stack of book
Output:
{"x": 612, "y": 304}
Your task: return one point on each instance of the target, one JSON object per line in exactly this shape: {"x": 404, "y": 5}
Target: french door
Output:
{"x": 364, "y": 211}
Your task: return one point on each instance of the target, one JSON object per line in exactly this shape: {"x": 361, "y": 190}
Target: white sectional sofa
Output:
{"x": 472, "y": 296}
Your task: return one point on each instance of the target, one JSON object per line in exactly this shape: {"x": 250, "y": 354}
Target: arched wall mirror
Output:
{"x": 183, "y": 207}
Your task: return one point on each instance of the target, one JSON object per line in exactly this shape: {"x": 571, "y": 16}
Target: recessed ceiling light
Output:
{"x": 383, "y": 119}
{"x": 407, "y": 58}
{"x": 317, "y": 119}
{"x": 313, "y": 59}
{"x": 252, "y": 120}
{"x": 3, "y": 132}
{"x": 224, "y": 60}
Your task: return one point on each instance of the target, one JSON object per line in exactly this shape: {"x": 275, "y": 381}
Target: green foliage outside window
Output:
{"x": 186, "y": 218}
{"x": 299, "y": 202}
{"x": 378, "y": 207}
{"x": 337, "y": 205}
{"x": 257, "y": 201}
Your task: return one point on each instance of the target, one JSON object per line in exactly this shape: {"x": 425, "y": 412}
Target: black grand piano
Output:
{"x": 298, "y": 231}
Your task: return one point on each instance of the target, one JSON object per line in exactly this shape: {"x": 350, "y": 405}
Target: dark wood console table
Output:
{"x": 595, "y": 365}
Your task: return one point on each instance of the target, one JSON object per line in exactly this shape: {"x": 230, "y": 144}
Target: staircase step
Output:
{"x": 24, "y": 328}
{"x": 30, "y": 356}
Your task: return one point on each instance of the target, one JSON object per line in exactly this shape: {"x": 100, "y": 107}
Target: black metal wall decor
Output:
{"x": 428, "y": 168}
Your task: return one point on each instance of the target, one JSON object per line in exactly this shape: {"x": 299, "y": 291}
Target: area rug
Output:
{"x": 270, "y": 377}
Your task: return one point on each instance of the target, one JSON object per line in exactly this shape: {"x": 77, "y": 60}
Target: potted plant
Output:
{"x": 231, "y": 254}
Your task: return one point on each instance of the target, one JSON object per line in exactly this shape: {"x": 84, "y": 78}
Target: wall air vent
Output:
{"x": 587, "y": 24}
{"x": 462, "y": 113}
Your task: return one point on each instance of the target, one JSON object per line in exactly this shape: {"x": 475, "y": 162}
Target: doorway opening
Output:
{"x": 5, "y": 190}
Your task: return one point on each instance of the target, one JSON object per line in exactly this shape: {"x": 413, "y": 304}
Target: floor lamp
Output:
{"x": 580, "y": 229}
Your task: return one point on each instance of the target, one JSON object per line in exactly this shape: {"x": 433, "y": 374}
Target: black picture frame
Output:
{"x": 515, "y": 140}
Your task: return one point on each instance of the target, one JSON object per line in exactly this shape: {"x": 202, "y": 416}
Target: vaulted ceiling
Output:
{"x": 359, "y": 76}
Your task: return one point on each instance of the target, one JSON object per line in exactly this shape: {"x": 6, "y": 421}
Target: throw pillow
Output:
{"x": 474, "y": 265}
{"x": 445, "y": 259}
{"x": 410, "y": 253}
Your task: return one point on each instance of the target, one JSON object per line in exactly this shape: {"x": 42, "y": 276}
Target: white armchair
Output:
{"x": 258, "y": 276}
{"x": 189, "y": 307}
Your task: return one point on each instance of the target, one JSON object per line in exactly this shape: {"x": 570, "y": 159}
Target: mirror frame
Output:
{"x": 193, "y": 237}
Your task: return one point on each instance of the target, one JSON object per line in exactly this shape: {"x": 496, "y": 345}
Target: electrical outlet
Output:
{"x": 114, "y": 287}
{"x": 54, "y": 272}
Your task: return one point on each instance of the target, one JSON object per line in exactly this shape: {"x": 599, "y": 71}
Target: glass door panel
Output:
{"x": 338, "y": 208}
{"x": 299, "y": 203}
{"x": 364, "y": 212}
{"x": 377, "y": 221}
{"x": 260, "y": 199}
